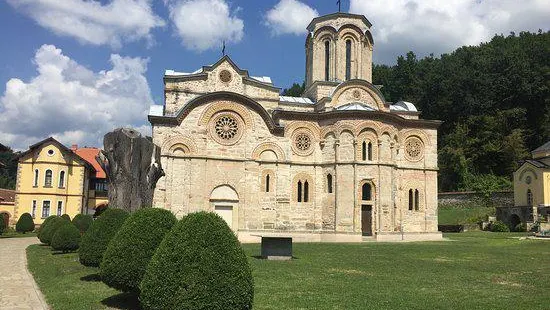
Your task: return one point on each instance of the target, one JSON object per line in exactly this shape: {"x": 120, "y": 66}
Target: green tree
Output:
{"x": 296, "y": 90}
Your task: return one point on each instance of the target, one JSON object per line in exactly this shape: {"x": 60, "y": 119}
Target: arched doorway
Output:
{"x": 224, "y": 201}
{"x": 514, "y": 221}
{"x": 367, "y": 201}
{"x": 4, "y": 216}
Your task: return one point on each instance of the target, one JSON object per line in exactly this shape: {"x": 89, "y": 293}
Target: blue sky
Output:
{"x": 76, "y": 69}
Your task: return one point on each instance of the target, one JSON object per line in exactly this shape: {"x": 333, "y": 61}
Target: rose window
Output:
{"x": 226, "y": 127}
{"x": 414, "y": 148}
{"x": 225, "y": 76}
{"x": 303, "y": 142}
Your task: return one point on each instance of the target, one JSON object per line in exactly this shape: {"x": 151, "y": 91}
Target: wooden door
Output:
{"x": 366, "y": 220}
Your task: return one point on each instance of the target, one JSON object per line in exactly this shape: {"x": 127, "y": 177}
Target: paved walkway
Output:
{"x": 17, "y": 287}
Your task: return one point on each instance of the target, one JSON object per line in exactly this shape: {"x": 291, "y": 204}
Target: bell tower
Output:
{"x": 338, "y": 48}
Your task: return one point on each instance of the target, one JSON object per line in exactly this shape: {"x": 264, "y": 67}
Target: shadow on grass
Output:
{"x": 94, "y": 277}
{"x": 122, "y": 301}
{"x": 261, "y": 257}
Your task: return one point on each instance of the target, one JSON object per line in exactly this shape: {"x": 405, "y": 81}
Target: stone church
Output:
{"x": 339, "y": 163}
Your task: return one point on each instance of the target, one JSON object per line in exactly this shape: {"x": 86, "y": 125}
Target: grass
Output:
{"x": 475, "y": 270}
{"x": 13, "y": 234}
{"x": 463, "y": 214}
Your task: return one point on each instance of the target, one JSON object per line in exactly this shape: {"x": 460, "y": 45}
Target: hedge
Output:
{"x": 499, "y": 226}
{"x": 46, "y": 235}
{"x": 43, "y": 225}
{"x": 95, "y": 240}
{"x": 25, "y": 223}
{"x": 130, "y": 250}
{"x": 199, "y": 265}
{"x": 66, "y": 216}
{"x": 83, "y": 222}
{"x": 66, "y": 238}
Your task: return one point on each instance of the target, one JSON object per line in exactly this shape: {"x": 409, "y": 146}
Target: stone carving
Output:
{"x": 414, "y": 149}
{"x": 132, "y": 164}
{"x": 225, "y": 76}
{"x": 226, "y": 128}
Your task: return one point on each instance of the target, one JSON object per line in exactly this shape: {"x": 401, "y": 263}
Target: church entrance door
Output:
{"x": 226, "y": 213}
{"x": 366, "y": 220}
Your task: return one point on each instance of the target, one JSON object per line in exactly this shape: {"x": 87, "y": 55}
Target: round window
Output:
{"x": 51, "y": 152}
{"x": 225, "y": 76}
{"x": 302, "y": 142}
{"x": 414, "y": 149}
{"x": 528, "y": 179}
{"x": 226, "y": 128}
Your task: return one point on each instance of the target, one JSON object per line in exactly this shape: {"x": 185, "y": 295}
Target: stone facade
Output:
{"x": 338, "y": 164}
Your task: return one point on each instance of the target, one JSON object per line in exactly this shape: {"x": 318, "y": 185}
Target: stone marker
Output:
{"x": 277, "y": 248}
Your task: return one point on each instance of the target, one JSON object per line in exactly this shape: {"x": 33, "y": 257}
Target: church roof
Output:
{"x": 355, "y": 106}
{"x": 537, "y": 163}
{"x": 542, "y": 151}
{"x": 299, "y": 100}
{"x": 336, "y": 15}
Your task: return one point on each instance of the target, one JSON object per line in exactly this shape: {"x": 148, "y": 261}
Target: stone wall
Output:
{"x": 499, "y": 199}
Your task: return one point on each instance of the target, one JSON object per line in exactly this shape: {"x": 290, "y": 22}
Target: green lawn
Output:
{"x": 463, "y": 214}
{"x": 14, "y": 234}
{"x": 474, "y": 270}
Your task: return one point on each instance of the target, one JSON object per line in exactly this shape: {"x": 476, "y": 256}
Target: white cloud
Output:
{"x": 204, "y": 24}
{"x": 94, "y": 23}
{"x": 441, "y": 26}
{"x": 72, "y": 103}
{"x": 290, "y": 17}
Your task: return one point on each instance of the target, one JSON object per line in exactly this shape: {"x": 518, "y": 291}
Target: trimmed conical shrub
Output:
{"x": 66, "y": 216}
{"x": 129, "y": 252}
{"x": 95, "y": 240}
{"x": 199, "y": 265}
{"x": 66, "y": 238}
{"x": 49, "y": 230}
{"x": 25, "y": 223}
{"x": 43, "y": 225}
{"x": 83, "y": 222}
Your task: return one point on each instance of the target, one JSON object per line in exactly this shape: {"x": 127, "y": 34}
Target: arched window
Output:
{"x": 62, "y": 179}
{"x": 306, "y": 191}
{"x": 364, "y": 151}
{"x": 529, "y": 198}
{"x": 329, "y": 183}
{"x": 416, "y": 199}
{"x": 348, "y": 60}
{"x": 327, "y": 60}
{"x": 267, "y": 183}
{"x": 370, "y": 151}
{"x": 299, "y": 191}
{"x": 35, "y": 177}
{"x": 411, "y": 204}
{"x": 48, "y": 178}
{"x": 366, "y": 192}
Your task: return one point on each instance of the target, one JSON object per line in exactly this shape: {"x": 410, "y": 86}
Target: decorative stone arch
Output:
{"x": 368, "y": 125}
{"x": 350, "y": 28}
{"x": 368, "y": 135}
{"x": 389, "y": 130}
{"x": 362, "y": 86}
{"x": 403, "y": 135}
{"x": 527, "y": 170}
{"x": 360, "y": 188}
{"x": 327, "y": 131}
{"x": 264, "y": 188}
{"x": 295, "y": 125}
{"x": 224, "y": 200}
{"x": 368, "y": 34}
{"x": 268, "y": 146}
{"x": 301, "y": 179}
{"x": 340, "y": 127}
{"x": 321, "y": 32}
{"x": 413, "y": 185}
{"x": 178, "y": 146}
{"x": 223, "y": 106}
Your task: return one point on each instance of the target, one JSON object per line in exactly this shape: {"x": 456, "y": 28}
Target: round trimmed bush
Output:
{"x": 46, "y": 235}
{"x": 198, "y": 265}
{"x": 95, "y": 240}
{"x": 129, "y": 252}
{"x": 66, "y": 216}
{"x": 83, "y": 222}
{"x": 44, "y": 224}
{"x": 499, "y": 226}
{"x": 66, "y": 238}
{"x": 25, "y": 223}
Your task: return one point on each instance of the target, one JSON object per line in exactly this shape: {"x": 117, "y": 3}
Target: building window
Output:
{"x": 33, "y": 213}
{"x": 364, "y": 151}
{"x": 299, "y": 191}
{"x": 327, "y": 60}
{"x": 529, "y": 198}
{"x": 62, "y": 179}
{"x": 267, "y": 183}
{"x": 48, "y": 178}
{"x": 329, "y": 183}
{"x": 59, "y": 208}
{"x": 348, "y": 60}
{"x": 366, "y": 192}
{"x": 369, "y": 151}
{"x": 306, "y": 191}
{"x": 36, "y": 177}
{"x": 45, "y": 209}
{"x": 416, "y": 196}
{"x": 411, "y": 202}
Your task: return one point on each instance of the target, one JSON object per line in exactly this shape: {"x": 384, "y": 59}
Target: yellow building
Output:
{"x": 531, "y": 189}
{"x": 54, "y": 180}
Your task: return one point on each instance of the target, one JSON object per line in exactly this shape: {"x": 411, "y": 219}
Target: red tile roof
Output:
{"x": 89, "y": 154}
{"x": 7, "y": 195}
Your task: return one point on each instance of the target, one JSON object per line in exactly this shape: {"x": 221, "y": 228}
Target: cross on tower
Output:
{"x": 339, "y": 2}
{"x": 223, "y": 48}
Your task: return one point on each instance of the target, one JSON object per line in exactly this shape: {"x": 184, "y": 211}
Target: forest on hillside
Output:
{"x": 494, "y": 100}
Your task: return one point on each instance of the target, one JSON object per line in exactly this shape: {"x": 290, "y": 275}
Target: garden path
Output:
{"x": 17, "y": 287}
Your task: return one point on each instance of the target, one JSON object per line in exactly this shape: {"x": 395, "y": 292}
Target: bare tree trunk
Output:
{"x": 132, "y": 164}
